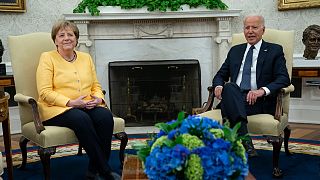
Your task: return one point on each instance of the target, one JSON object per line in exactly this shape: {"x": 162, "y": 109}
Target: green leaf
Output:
{"x": 169, "y": 143}
{"x": 231, "y": 134}
{"x": 169, "y": 127}
{"x": 181, "y": 116}
{"x": 143, "y": 153}
{"x": 164, "y": 127}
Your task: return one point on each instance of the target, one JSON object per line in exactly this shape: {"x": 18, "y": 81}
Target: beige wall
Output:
{"x": 296, "y": 20}
{"x": 42, "y": 14}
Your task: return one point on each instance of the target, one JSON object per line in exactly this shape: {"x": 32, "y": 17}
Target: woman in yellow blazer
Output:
{"x": 71, "y": 96}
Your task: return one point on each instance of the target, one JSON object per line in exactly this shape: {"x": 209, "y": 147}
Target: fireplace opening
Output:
{"x": 148, "y": 92}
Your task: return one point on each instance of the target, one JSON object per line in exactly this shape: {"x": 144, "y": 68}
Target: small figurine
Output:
{"x": 311, "y": 39}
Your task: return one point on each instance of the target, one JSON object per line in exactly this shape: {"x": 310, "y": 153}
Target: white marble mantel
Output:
{"x": 117, "y": 35}
{"x": 114, "y": 15}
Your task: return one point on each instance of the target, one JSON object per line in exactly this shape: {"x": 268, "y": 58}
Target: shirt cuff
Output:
{"x": 266, "y": 90}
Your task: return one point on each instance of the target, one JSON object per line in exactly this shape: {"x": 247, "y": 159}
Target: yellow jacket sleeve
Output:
{"x": 45, "y": 76}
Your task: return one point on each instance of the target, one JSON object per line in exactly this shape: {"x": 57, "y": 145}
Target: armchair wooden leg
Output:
{"x": 276, "y": 142}
{"x": 23, "y": 147}
{"x": 45, "y": 154}
{"x": 79, "y": 150}
{"x": 287, "y": 132}
{"x": 123, "y": 137}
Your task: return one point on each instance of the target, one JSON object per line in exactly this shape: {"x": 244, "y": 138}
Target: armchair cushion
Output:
{"x": 257, "y": 124}
{"x": 119, "y": 125}
{"x": 51, "y": 136}
{"x": 266, "y": 124}
{"x": 56, "y": 136}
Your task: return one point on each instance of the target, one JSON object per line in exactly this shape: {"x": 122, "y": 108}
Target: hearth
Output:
{"x": 147, "y": 92}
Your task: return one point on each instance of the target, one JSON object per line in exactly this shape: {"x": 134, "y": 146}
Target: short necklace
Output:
{"x": 70, "y": 59}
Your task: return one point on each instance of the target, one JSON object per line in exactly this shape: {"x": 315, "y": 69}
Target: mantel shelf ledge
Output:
{"x": 116, "y": 13}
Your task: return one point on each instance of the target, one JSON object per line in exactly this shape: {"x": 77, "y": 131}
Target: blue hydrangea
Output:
{"x": 172, "y": 134}
{"x": 171, "y": 149}
{"x": 163, "y": 162}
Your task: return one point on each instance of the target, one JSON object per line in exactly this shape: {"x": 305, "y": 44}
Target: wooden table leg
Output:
{"x": 7, "y": 145}
{"x": 4, "y": 119}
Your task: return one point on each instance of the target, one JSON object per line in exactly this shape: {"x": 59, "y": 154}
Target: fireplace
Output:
{"x": 147, "y": 92}
{"x": 197, "y": 33}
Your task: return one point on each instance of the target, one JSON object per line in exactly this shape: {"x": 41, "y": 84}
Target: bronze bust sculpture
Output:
{"x": 1, "y": 50}
{"x": 311, "y": 39}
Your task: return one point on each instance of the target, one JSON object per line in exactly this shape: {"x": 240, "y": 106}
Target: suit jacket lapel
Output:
{"x": 238, "y": 61}
{"x": 261, "y": 57}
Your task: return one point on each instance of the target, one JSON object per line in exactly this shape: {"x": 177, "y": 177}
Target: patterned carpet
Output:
{"x": 295, "y": 146}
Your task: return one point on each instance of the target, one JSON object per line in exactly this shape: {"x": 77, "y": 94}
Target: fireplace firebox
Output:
{"x": 147, "y": 92}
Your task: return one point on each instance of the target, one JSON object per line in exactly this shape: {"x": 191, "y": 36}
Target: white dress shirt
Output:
{"x": 253, "y": 67}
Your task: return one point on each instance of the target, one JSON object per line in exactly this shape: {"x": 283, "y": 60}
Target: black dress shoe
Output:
{"x": 252, "y": 153}
{"x": 248, "y": 145}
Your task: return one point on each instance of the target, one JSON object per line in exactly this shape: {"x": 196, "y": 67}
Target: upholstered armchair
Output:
{"x": 25, "y": 51}
{"x": 274, "y": 128}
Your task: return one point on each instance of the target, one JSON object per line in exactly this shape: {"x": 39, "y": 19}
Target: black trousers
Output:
{"x": 94, "y": 129}
{"x": 234, "y": 106}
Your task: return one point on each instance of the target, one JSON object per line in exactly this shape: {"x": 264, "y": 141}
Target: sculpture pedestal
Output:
{"x": 306, "y": 68}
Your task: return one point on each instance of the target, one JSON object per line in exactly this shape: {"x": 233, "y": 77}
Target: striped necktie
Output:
{"x": 246, "y": 72}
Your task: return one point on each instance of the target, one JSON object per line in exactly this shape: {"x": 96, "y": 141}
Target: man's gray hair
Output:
{"x": 254, "y": 15}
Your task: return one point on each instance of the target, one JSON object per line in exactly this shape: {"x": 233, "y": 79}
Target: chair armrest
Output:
{"x": 279, "y": 107}
{"x": 207, "y": 105}
{"x": 288, "y": 89}
{"x": 279, "y": 110}
{"x": 20, "y": 98}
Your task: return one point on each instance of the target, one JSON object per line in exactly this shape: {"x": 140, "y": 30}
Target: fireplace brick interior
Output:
{"x": 147, "y": 92}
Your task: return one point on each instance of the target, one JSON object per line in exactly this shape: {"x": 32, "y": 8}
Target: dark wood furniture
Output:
{"x": 306, "y": 72}
{"x": 7, "y": 85}
{"x": 4, "y": 119}
{"x": 300, "y": 73}
{"x": 6, "y": 81}
{"x": 132, "y": 169}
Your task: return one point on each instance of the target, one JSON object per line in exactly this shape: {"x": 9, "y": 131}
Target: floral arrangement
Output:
{"x": 152, "y": 5}
{"x": 194, "y": 148}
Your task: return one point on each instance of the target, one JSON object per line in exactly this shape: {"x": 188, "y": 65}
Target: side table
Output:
{"x": 132, "y": 169}
{"x": 4, "y": 119}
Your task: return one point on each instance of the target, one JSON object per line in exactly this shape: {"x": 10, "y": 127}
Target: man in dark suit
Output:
{"x": 248, "y": 81}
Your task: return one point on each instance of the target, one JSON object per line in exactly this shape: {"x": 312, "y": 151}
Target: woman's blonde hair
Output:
{"x": 63, "y": 24}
